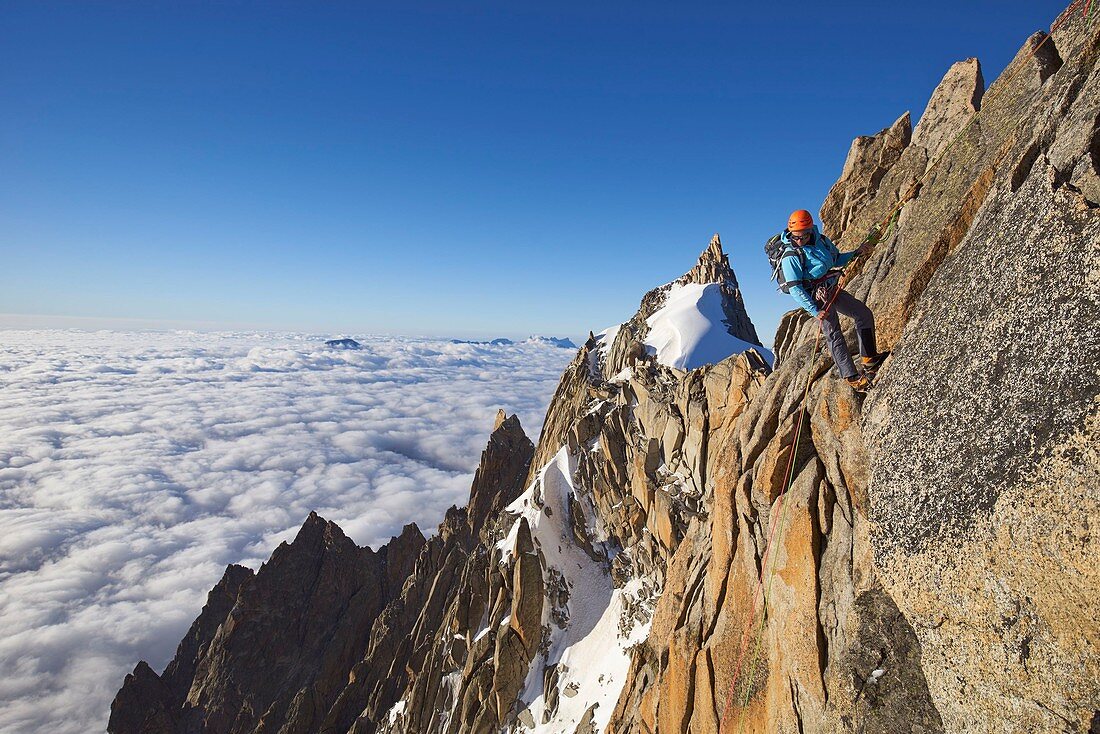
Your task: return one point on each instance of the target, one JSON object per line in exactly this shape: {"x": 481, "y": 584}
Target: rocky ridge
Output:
{"x": 626, "y": 343}
{"x": 937, "y": 565}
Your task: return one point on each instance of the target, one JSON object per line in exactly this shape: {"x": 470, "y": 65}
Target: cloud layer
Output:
{"x": 135, "y": 466}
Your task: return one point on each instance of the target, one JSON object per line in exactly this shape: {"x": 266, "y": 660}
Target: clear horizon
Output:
{"x": 46, "y": 322}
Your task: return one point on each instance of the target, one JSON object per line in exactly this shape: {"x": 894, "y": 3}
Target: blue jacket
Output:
{"x": 821, "y": 255}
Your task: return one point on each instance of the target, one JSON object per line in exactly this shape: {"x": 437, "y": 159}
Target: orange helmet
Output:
{"x": 800, "y": 219}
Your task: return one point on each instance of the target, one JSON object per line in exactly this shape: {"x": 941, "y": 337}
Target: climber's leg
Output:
{"x": 834, "y": 337}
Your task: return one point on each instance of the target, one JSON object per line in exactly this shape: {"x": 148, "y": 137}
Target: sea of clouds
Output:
{"x": 135, "y": 466}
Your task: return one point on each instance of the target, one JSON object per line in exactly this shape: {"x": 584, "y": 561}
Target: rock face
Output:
{"x": 740, "y": 548}
{"x": 905, "y": 592}
{"x": 869, "y": 159}
{"x": 956, "y": 99}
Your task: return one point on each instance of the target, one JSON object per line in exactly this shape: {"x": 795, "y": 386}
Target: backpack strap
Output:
{"x": 793, "y": 251}
{"x": 790, "y": 252}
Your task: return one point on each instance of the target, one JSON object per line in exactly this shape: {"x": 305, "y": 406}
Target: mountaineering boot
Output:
{"x": 859, "y": 383}
{"x": 867, "y": 346}
{"x": 871, "y": 364}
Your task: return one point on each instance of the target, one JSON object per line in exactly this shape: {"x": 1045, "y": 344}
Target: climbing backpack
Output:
{"x": 776, "y": 251}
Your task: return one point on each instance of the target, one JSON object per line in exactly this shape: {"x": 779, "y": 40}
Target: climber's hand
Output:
{"x": 872, "y": 238}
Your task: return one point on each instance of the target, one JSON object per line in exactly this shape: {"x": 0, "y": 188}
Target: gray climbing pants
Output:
{"x": 846, "y": 304}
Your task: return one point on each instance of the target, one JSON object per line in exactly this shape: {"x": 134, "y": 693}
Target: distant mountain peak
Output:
{"x": 713, "y": 266}
{"x": 697, "y": 319}
{"x": 553, "y": 341}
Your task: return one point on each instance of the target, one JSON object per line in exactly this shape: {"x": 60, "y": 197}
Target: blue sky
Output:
{"x": 461, "y": 169}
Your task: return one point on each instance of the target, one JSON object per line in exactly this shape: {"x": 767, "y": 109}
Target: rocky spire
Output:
{"x": 501, "y": 473}
{"x": 713, "y": 265}
{"x": 869, "y": 159}
{"x": 148, "y": 702}
{"x": 958, "y": 96}
{"x": 404, "y": 631}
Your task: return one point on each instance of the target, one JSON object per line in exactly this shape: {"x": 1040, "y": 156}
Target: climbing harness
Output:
{"x": 881, "y": 231}
{"x": 826, "y": 288}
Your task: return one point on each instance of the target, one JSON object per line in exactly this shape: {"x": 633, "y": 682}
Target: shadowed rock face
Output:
{"x": 152, "y": 703}
{"x": 936, "y": 563}
{"x": 272, "y": 649}
{"x": 323, "y": 631}
{"x": 504, "y": 463}
{"x": 145, "y": 704}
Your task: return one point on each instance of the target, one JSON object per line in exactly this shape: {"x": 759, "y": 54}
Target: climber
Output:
{"x": 811, "y": 266}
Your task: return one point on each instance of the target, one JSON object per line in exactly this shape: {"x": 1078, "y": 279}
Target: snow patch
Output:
{"x": 622, "y": 377}
{"x": 606, "y": 338}
{"x": 586, "y": 638}
{"x": 688, "y": 331}
{"x": 597, "y": 358}
{"x": 396, "y": 711}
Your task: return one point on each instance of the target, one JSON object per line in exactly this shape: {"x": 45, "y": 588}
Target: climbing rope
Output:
{"x": 882, "y": 230}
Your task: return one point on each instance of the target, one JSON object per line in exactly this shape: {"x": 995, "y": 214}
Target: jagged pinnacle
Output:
{"x": 713, "y": 265}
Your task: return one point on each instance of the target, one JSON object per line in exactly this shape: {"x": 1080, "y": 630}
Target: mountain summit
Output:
{"x": 697, "y": 319}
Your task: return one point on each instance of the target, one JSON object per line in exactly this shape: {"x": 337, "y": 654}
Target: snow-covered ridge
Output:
{"x": 689, "y": 330}
{"x": 695, "y": 320}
